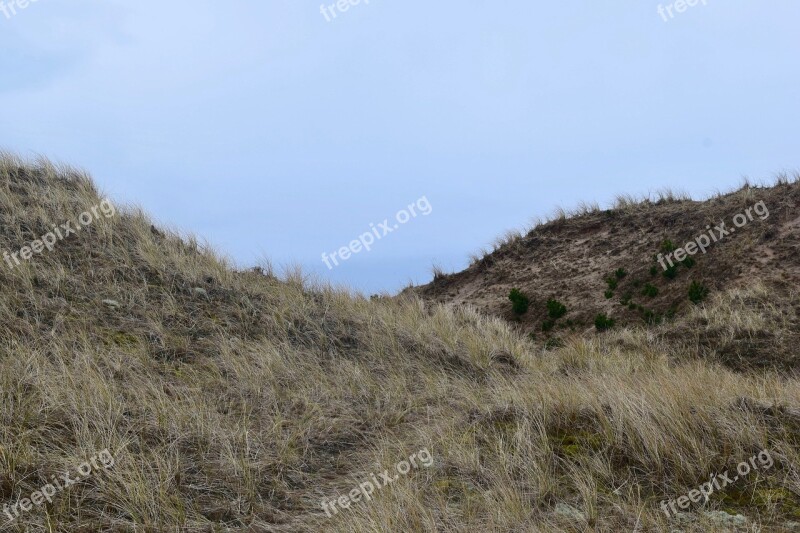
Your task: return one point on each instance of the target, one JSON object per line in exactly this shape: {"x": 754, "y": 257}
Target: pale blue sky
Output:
{"x": 272, "y": 133}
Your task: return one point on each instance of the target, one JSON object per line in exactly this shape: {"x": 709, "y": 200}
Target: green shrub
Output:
{"x": 612, "y": 283}
{"x": 671, "y": 272}
{"x": 553, "y": 342}
{"x": 602, "y": 322}
{"x": 556, "y": 309}
{"x": 626, "y": 298}
{"x": 548, "y": 324}
{"x": 650, "y": 290}
{"x": 667, "y": 246}
{"x": 632, "y": 306}
{"x": 688, "y": 262}
{"x": 519, "y": 302}
{"x": 697, "y": 292}
{"x": 654, "y": 270}
{"x": 620, "y": 273}
{"x": 651, "y": 317}
{"x": 609, "y": 294}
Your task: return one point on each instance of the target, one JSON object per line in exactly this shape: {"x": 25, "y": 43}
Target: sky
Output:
{"x": 276, "y": 131}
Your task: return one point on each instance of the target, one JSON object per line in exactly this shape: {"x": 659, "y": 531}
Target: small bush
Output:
{"x": 519, "y": 302}
{"x": 689, "y": 262}
{"x": 667, "y": 246}
{"x": 671, "y": 272}
{"x": 609, "y": 294}
{"x": 602, "y": 322}
{"x": 697, "y": 292}
{"x": 548, "y": 324}
{"x": 650, "y": 290}
{"x": 620, "y": 273}
{"x": 612, "y": 283}
{"x": 651, "y": 317}
{"x": 553, "y": 342}
{"x": 654, "y": 270}
{"x": 626, "y": 298}
{"x": 556, "y": 309}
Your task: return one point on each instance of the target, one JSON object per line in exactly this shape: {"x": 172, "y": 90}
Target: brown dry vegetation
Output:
{"x": 571, "y": 257}
{"x": 239, "y": 406}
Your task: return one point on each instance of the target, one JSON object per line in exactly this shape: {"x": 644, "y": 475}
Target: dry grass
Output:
{"x": 240, "y": 406}
{"x": 623, "y": 203}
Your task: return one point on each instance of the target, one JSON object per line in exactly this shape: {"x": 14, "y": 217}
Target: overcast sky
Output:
{"x": 275, "y": 131}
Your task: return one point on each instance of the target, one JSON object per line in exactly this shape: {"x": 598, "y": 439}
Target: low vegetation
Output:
{"x": 556, "y": 309}
{"x": 651, "y": 291}
{"x": 602, "y": 322}
{"x": 697, "y": 292}
{"x": 519, "y": 302}
{"x": 236, "y": 400}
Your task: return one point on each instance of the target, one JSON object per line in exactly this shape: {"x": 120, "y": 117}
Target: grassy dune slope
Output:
{"x": 605, "y": 261}
{"x": 235, "y": 400}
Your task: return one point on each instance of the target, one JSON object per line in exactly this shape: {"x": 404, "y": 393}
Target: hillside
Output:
{"x": 218, "y": 399}
{"x": 616, "y": 262}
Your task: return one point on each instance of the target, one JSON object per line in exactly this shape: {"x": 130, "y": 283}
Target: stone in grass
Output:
{"x": 723, "y": 519}
{"x": 568, "y": 511}
{"x": 200, "y": 291}
{"x": 113, "y": 304}
{"x": 684, "y": 519}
